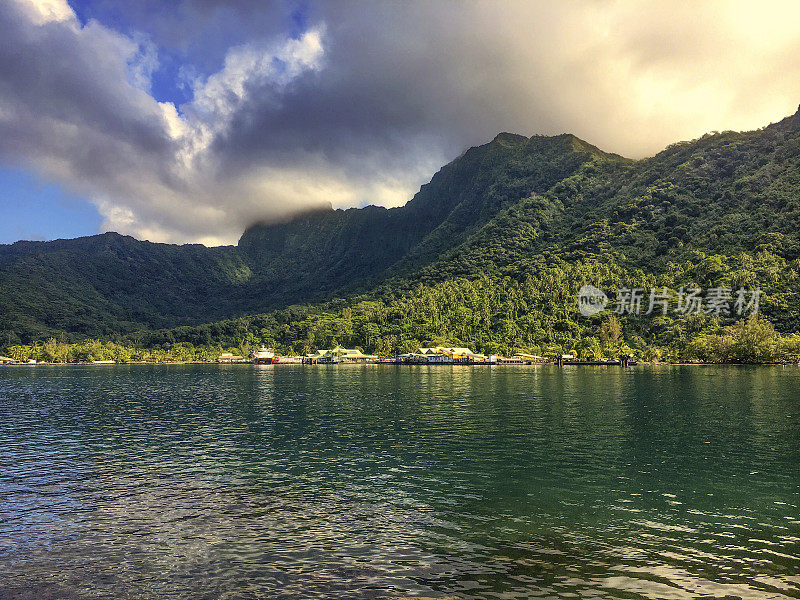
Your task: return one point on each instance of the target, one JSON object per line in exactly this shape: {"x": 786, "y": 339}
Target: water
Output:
{"x": 238, "y": 481}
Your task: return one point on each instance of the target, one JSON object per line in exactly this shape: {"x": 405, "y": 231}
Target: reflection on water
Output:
{"x": 395, "y": 482}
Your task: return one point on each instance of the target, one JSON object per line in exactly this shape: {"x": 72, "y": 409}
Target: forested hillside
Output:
{"x": 490, "y": 253}
{"x": 107, "y": 284}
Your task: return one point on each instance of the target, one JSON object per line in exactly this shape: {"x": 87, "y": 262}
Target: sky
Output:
{"x": 187, "y": 121}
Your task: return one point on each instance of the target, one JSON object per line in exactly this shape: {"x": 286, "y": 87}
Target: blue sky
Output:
{"x": 35, "y": 210}
{"x": 189, "y": 120}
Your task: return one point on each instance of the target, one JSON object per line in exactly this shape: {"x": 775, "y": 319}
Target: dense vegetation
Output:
{"x": 389, "y": 331}
{"x": 54, "y": 351}
{"x": 109, "y": 284}
{"x": 537, "y": 315}
{"x": 490, "y": 254}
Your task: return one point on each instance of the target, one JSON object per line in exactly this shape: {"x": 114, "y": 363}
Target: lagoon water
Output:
{"x": 223, "y": 482}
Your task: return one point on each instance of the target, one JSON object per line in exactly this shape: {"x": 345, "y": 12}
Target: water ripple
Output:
{"x": 239, "y": 482}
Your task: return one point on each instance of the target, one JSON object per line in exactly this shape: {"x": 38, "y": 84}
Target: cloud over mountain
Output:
{"x": 303, "y": 105}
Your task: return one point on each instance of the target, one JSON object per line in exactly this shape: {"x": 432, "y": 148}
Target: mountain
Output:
{"x": 724, "y": 193}
{"x": 106, "y": 284}
{"x": 359, "y": 245}
{"x": 517, "y": 211}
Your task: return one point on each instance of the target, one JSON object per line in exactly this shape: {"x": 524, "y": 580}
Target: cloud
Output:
{"x": 47, "y": 11}
{"x": 308, "y": 104}
{"x": 75, "y": 106}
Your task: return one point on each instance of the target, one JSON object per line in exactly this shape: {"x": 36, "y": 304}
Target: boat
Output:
{"x": 265, "y": 356}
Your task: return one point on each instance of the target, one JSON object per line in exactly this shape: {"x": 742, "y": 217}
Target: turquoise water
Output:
{"x": 291, "y": 481}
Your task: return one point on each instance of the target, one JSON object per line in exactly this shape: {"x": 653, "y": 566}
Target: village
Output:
{"x": 436, "y": 355}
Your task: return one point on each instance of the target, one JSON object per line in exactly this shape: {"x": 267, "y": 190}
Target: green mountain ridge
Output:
{"x": 502, "y": 214}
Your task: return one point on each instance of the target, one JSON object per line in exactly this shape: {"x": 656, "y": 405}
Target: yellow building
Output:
{"x": 340, "y": 354}
{"x": 446, "y": 355}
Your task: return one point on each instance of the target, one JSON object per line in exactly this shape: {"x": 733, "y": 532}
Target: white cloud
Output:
{"x": 147, "y": 167}
{"x": 46, "y": 11}
{"x": 217, "y": 99}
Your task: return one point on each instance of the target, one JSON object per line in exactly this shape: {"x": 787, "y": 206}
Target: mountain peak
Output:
{"x": 504, "y": 138}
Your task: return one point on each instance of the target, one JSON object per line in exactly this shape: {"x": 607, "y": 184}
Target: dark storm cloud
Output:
{"x": 52, "y": 71}
{"x": 298, "y": 104}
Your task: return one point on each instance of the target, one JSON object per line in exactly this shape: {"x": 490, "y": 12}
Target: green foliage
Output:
{"x": 492, "y": 315}
{"x": 489, "y": 254}
{"x": 610, "y": 333}
{"x": 751, "y": 340}
{"x": 54, "y": 351}
{"x": 589, "y": 348}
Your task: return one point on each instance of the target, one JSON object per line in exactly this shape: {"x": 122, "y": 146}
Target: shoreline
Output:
{"x": 398, "y": 364}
